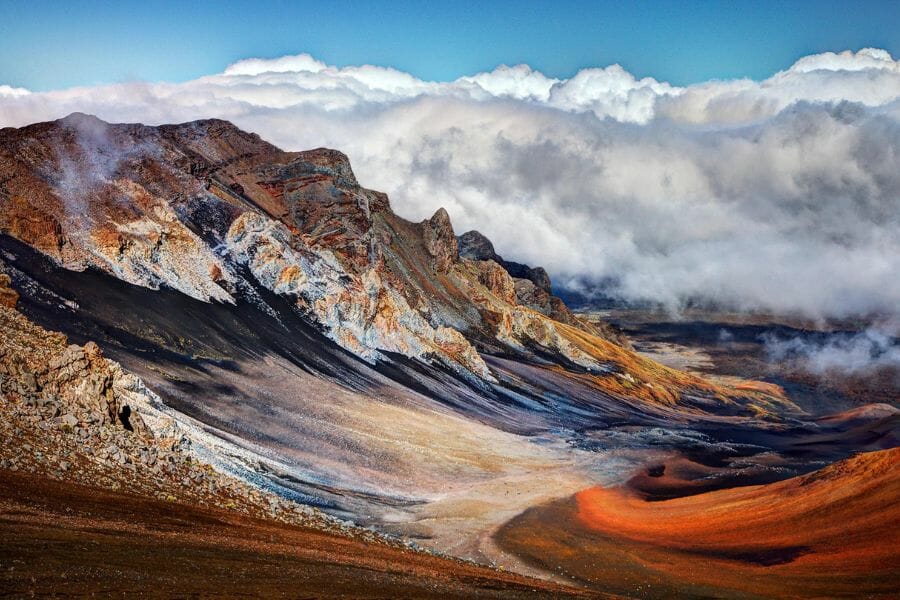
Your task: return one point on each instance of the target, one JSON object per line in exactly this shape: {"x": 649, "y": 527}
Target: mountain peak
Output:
{"x": 330, "y": 161}
{"x": 440, "y": 241}
{"x": 476, "y": 246}
{"x": 77, "y": 119}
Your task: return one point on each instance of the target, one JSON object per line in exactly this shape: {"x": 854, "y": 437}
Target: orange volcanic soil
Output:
{"x": 834, "y": 532}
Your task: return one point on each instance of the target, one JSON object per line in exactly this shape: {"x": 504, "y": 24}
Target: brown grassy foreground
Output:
{"x": 61, "y": 539}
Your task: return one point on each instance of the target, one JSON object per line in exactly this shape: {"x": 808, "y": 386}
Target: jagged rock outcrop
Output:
{"x": 37, "y": 366}
{"x": 440, "y": 241}
{"x": 497, "y": 280}
{"x": 8, "y": 296}
{"x": 475, "y": 246}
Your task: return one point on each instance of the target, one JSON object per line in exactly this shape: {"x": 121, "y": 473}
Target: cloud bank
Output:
{"x": 780, "y": 195}
{"x": 861, "y": 353}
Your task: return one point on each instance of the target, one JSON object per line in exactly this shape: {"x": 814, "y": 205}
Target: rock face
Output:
{"x": 440, "y": 241}
{"x": 69, "y": 413}
{"x": 37, "y": 366}
{"x": 196, "y": 207}
{"x": 532, "y": 286}
{"x": 475, "y": 246}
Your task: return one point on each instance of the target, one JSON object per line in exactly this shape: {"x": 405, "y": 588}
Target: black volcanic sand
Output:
{"x": 63, "y": 540}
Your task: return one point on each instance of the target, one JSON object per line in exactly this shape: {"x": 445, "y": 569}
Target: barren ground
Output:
{"x": 60, "y": 539}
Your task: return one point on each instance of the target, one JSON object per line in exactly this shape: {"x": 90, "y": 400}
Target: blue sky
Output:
{"x": 50, "y": 45}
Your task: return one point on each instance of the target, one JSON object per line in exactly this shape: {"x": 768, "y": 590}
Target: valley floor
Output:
{"x": 90, "y": 502}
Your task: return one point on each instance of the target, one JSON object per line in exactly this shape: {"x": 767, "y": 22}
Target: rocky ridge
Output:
{"x": 475, "y": 246}
{"x": 190, "y": 206}
{"x": 201, "y": 206}
{"x": 219, "y": 215}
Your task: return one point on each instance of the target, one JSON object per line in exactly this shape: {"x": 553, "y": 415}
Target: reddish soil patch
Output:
{"x": 63, "y": 539}
{"x": 832, "y": 533}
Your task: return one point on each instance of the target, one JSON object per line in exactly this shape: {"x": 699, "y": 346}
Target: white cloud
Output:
{"x": 521, "y": 82}
{"x": 612, "y": 92}
{"x": 867, "y": 58}
{"x": 300, "y": 63}
{"x": 778, "y": 195}
{"x": 861, "y": 353}
{"x": 6, "y": 90}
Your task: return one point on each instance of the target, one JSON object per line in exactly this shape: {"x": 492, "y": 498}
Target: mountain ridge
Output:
{"x": 190, "y": 206}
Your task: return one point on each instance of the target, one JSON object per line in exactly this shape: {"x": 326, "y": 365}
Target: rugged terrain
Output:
{"x": 100, "y": 493}
{"x": 240, "y": 326}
